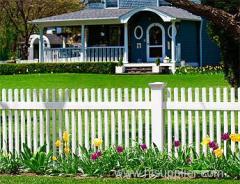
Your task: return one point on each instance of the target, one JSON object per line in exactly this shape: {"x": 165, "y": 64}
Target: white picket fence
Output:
{"x": 125, "y": 117}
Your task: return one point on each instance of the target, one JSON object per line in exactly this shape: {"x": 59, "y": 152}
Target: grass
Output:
{"x": 62, "y": 180}
{"x": 108, "y": 81}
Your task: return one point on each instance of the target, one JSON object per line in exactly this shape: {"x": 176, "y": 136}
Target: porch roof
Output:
{"x": 110, "y": 16}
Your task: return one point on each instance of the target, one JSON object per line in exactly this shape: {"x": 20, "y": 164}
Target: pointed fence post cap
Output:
{"x": 157, "y": 85}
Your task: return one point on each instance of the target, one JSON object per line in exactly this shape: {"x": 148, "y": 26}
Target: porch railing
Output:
{"x": 92, "y": 54}
{"x": 56, "y": 55}
{"x": 104, "y": 54}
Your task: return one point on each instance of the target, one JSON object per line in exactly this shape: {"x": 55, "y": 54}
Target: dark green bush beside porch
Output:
{"x": 101, "y": 68}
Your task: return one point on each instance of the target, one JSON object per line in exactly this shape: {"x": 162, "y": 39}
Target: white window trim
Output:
{"x": 105, "y": 5}
{"x": 135, "y": 32}
{"x": 150, "y": 59}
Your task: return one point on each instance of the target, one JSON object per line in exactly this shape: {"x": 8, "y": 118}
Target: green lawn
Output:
{"x": 61, "y": 180}
{"x": 108, "y": 81}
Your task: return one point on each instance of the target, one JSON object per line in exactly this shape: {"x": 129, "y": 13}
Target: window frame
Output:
{"x": 117, "y": 7}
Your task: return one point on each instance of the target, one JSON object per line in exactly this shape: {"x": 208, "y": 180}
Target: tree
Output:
{"x": 224, "y": 22}
{"x": 20, "y": 12}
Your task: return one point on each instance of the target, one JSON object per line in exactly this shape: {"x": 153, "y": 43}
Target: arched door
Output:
{"x": 155, "y": 42}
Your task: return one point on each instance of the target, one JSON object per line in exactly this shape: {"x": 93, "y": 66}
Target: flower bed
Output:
{"x": 200, "y": 70}
{"x": 137, "y": 162}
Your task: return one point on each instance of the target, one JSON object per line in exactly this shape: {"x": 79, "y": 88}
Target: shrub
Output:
{"x": 101, "y": 68}
{"x": 200, "y": 70}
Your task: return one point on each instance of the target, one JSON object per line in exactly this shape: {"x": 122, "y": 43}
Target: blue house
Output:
{"x": 138, "y": 32}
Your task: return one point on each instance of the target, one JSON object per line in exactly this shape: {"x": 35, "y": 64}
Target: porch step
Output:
{"x": 142, "y": 69}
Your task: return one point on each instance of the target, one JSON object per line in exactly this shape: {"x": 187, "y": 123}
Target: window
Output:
{"x": 138, "y": 32}
{"x": 112, "y": 3}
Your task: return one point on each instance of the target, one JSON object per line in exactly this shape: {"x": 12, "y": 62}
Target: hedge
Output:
{"x": 97, "y": 68}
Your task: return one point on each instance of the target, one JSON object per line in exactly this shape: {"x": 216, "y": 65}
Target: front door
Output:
{"x": 155, "y": 42}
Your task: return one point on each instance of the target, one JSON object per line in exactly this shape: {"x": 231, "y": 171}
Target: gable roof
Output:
{"x": 114, "y": 14}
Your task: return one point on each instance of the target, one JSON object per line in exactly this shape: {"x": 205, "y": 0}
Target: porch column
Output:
{"x": 41, "y": 45}
{"x": 173, "y": 50}
{"x": 83, "y": 43}
{"x": 125, "y": 59}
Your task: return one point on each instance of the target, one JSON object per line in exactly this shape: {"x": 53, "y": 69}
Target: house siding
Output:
{"x": 188, "y": 36}
{"x": 211, "y": 52}
{"x": 133, "y": 3}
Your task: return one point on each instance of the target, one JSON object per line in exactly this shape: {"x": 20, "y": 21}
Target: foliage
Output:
{"x": 9, "y": 164}
{"x": 102, "y": 68}
{"x": 224, "y": 18}
{"x": 35, "y": 162}
{"x": 120, "y": 62}
{"x": 18, "y": 13}
{"x": 157, "y": 62}
{"x": 202, "y": 70}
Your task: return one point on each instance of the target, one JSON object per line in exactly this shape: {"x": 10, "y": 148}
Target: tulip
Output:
{"x": 54, "y": 158}
{"x": 97, "y": 142}
{"x": 218, "y": 152}
{"x": 58, "y": 143}
{"x": 206, "y": 141}
{"x": 67, "y": 150}
{"x": 66, "y": 137}
{"x": 225, "y": 137}
{"x": 177, "y": 144}
{"x": 120, "y": 149}
{"x": 94, "y": 156}
{"x": 144, "y": 147}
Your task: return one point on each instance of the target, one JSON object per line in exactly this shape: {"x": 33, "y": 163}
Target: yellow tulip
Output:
{"x": 54, "y": 158}
{"x": 206, "y": 141}
{"x": 218, "y": 152}
{"x": 58, "y": 143}
{"x": 235, "y": 137}
{"x": 66, "y": 136}
{"x": 97, "y": 142}
{"x": 67, "y": 150}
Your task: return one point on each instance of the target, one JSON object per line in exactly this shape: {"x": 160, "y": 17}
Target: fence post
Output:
{"x": 157, "y": 101}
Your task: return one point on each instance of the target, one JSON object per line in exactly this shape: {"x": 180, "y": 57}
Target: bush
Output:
{"x": 101, "y": 68}
{"x": 200, "y": 70}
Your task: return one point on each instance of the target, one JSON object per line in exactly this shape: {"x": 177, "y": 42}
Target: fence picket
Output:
{"x": 47, "y": 119}
{"x": 126, "y": 121}
{"x": 183, "y": 121}
{"x": 22, "y": 99}
{"x": 190, "y": 124}
{"x": 80, "y": 123}
{"x": 211, "y": 120}
{"x": 232, "y": 93}
{"x": 239, "y": 117}
{"x": 197, "y": 124}
{"x": 113, "y": 128}
{"x": 120, "y": 137}
{"x": 93, "y": 128}
{"x": 67, "y": 126}
{"x": 169, "y": 99}
{"x": 16, "y": 121}
{"x": 218, "y": 118}
{"x": 99, "y": 122}
{"x": 4, "y": 122}
{"x": 225, "y": 116}
{"x": 41, "y": 119}
{"x": 73, "y": 119}
{"x": 140, "y": 120}
{"x": 60, "y": 120}
{"x": 29, "y": 122}
{"x": 10, "y": 129}
{"x": 35, "y": 124}
{"x": 106, "y": 135}
{"x": 176, "y": 124}
{"x": 147, "y": 119}
{"x": 133, "y": 119}
{"x": 86, "y": 122}
{"x": 54, "y": 125}
{"x": 204, "y": 120}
